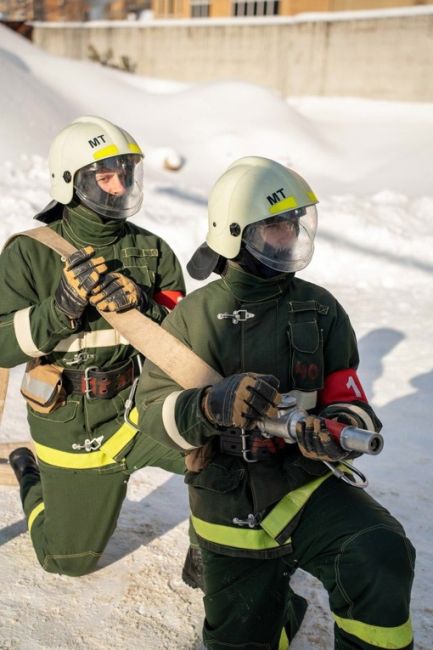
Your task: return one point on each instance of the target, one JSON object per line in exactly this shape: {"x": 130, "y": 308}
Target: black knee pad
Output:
{"x": 375, "y": 569}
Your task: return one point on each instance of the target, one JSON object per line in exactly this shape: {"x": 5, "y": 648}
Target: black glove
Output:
{"x": 118, "y": 293}
{"x": 240, "y": 399}
{"x": 316, "y": 442}
{"x": 81, "y": 274}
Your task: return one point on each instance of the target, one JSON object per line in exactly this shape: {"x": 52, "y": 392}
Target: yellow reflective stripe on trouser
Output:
{"x": 392, "y": 638}
{"x": 90, "y": 460}
{"x": 257, "y": 540}
{"x": 34, "y": 513}
{"x": 284, "y": 641}
{"x": 289, "y": 506}
{"x": 271, "y": 526}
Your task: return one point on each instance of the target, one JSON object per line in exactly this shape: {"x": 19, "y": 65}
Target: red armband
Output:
{"x": 168, "y": 298}
{"x": 342, "y": 386}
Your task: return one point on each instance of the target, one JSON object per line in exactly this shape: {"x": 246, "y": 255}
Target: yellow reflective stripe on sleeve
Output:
{"x": 134, "y": 148}
{"x": 391, "y": 638}
{"x": 23, "y": 333}
{"x": 34, "y": 513}
{"x": 289, "y": 506}
{"x": 93, "y": 459}
{"x": 289, "y": 203}
{"x": 105, "y": 152}
{"x": 253, "y": 539}
{"x": 284, "y": 641}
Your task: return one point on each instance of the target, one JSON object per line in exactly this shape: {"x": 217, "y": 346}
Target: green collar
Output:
{"x": 83, "y": 226}
{"x": 251, "y": 288}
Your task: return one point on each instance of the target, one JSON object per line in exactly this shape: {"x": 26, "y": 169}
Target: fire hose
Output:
{"x": 190, "y": 371}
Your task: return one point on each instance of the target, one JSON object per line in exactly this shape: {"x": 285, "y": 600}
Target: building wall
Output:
{"x": 353, "y": 5}
{"x": 55, "y": 10}
{"x": 16, "y": 9}
{"x": 223, "y": 8}
{"x": 385, "y": 57}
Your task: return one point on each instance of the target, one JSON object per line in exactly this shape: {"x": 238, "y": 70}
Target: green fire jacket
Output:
{"x": 31, "y": 326}
{"x": 282, "y": 326}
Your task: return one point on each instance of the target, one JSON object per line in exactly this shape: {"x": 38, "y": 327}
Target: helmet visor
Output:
{"x": 112, "y": 187}
{"x": 284, "y": 243}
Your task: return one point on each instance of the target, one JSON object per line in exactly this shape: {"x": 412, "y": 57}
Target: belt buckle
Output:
{"x": 87, "y": 387}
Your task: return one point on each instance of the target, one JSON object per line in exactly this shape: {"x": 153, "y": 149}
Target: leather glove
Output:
{"x": 81, "y": 273}
{"x": 240, "y": 399}
{"x": 315, "y": 441}
{"x": 118, "y": 293}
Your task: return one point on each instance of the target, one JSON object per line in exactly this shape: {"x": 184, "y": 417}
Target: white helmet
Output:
{"x": 267, "y": 207}
{"x": 86, "y": 150}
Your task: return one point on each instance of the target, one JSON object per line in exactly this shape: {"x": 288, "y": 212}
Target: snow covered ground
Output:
{"x": 371, "y": 163}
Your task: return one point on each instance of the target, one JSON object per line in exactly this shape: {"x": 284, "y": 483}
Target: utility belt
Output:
{"x": 45, "y": 386}
{"x": 100, "y": 384}
{"x": 249, "y": 445}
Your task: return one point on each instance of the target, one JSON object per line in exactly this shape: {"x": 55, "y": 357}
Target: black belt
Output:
{"x": 251, "y": 446}
{"x": 100, "y": 384}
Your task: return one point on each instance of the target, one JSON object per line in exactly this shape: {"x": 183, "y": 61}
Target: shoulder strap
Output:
{"x": 164, "y": 350}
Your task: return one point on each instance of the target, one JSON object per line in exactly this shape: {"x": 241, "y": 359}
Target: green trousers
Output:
{"x": 72, "y": 513}
{"x": 350, "y": 543}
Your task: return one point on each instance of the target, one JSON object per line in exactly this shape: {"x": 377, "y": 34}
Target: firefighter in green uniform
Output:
{"x": 260, "y": 508}
{"x": 79, "y": 370}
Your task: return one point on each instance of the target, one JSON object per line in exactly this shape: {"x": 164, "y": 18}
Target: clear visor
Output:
{"x": 285, "y": 242}
{"x": 112, "y": 187}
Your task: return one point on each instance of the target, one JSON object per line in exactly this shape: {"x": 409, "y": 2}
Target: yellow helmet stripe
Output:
{"x": 289, "y": 203}
{"x": 106, "y": 152}
{"x": 134, "y": 148}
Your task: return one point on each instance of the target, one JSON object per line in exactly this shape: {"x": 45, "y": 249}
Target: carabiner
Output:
{"x": 129, "y": 403}
{"x": 245, "y": 449}
{"x": 362, "y": 483}
{"x": 89, "y": 445}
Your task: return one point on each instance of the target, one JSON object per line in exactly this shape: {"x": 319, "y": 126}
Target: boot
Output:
{"x": 23, "y": 462}
{"x": 192, "y": 572}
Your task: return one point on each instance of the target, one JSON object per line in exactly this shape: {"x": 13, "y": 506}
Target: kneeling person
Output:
{"x": 73, "y": 496}
{"x": 261, "y": 509}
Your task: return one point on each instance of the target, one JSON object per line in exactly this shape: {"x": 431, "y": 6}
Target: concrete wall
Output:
{"x": 382, "y": 56}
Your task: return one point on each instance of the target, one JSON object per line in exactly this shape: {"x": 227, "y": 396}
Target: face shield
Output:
{"x": 284, "y": 243}
{"x": 112, "y": 187}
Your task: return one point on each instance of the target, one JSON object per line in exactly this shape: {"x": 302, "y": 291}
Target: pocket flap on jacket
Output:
{"x": 217, "y": 477}
{"x": 305, "y": 336}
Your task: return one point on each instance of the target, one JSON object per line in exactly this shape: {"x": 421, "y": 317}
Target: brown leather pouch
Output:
{"x": 199, "y": 458}
{"x": 42, "y": 386}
